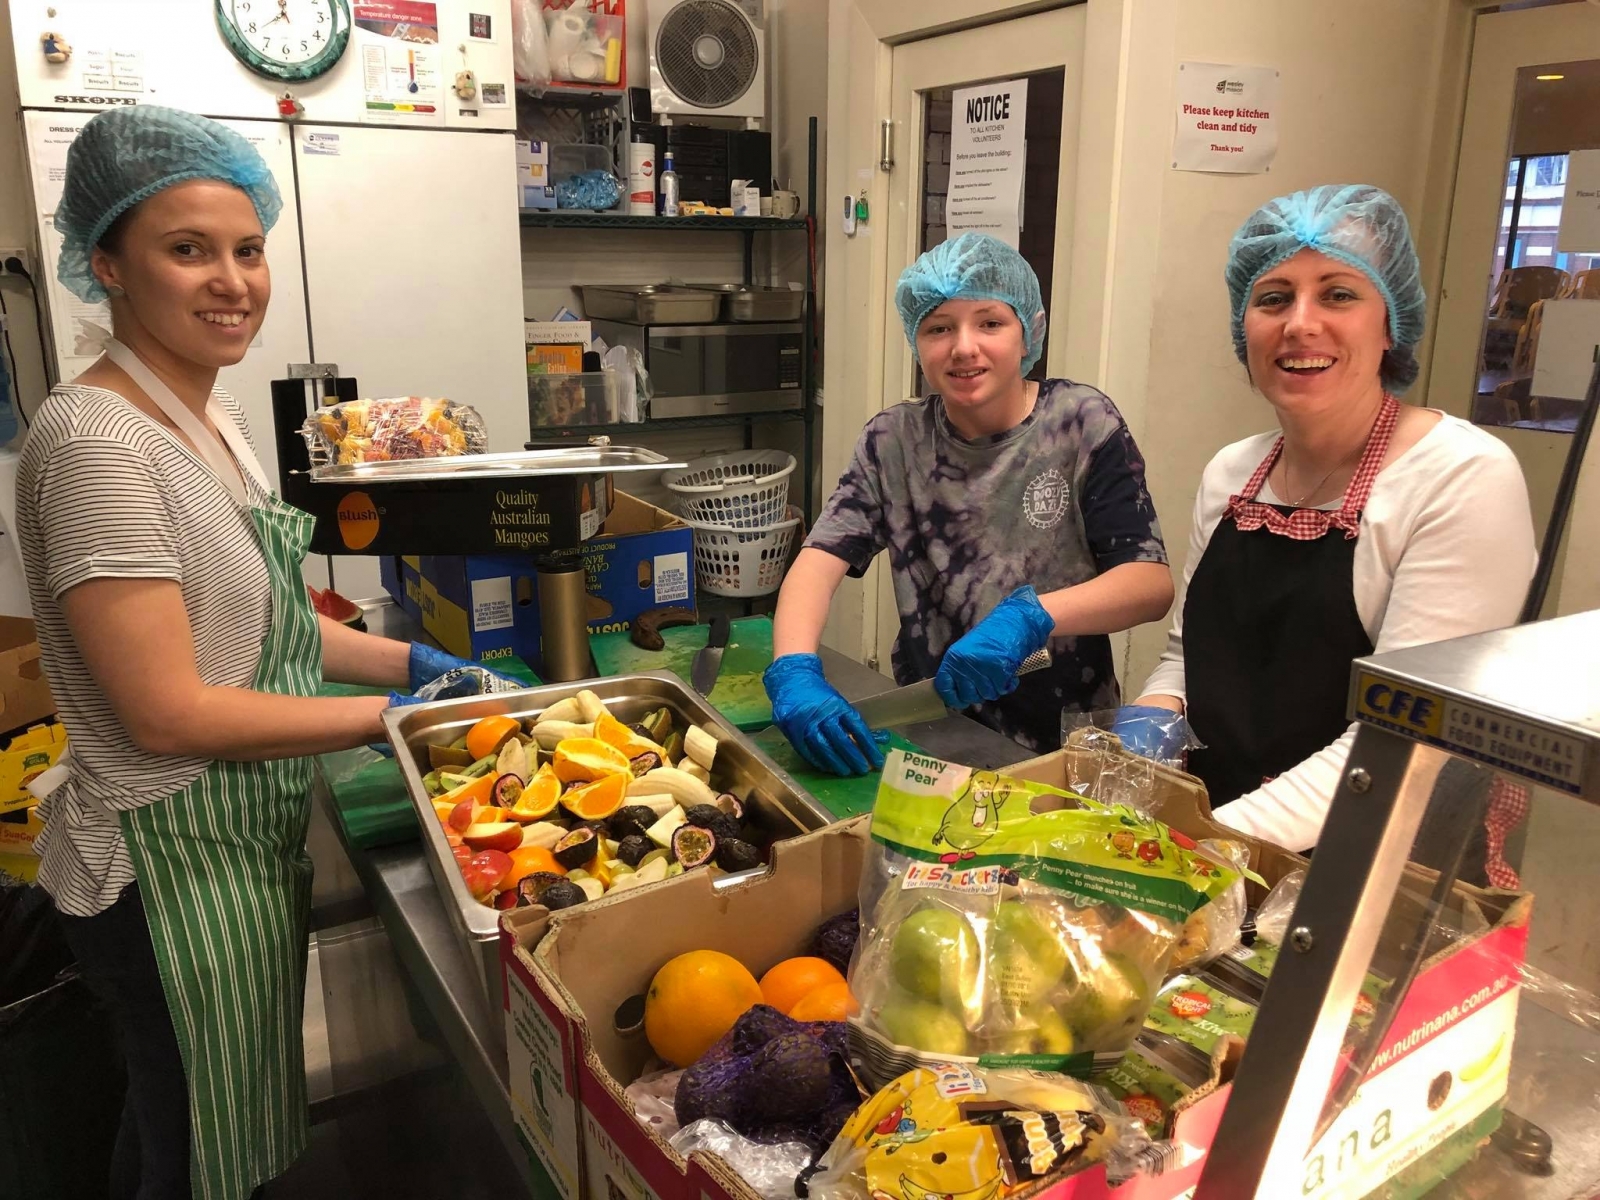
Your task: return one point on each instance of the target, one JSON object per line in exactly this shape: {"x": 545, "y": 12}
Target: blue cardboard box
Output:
{"x": 402, "y": 579}
{"x": 486, "y": 607}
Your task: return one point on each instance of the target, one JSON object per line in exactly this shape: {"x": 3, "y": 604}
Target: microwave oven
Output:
{"x": 707, "y": 370}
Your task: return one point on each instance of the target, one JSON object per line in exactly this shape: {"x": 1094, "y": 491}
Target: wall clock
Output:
{"x": 286, "y": 39}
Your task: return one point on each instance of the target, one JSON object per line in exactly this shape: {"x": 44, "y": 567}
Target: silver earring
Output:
{"x": 114, "y": 291}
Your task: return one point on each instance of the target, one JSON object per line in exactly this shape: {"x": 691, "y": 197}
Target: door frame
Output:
{"x": 912, "y": 70}
{"x": 1114, "y": 196}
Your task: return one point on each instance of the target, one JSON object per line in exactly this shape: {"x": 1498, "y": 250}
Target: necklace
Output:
{"x": 1344, "y": 462}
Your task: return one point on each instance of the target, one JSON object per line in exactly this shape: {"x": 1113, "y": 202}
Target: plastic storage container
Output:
{"x": 582, "y": 398}
{"x": 743, "y": 562}
{"x": 747, "y": 489}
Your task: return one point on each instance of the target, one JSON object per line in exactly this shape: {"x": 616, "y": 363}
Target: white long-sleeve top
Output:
{"x": 1446, "y": 548}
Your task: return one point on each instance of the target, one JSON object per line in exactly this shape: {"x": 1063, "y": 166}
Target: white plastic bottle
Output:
{"x": 669, "y": 188}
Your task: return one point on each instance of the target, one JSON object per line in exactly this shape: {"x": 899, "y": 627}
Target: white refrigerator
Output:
{"x": 397, "y": 256}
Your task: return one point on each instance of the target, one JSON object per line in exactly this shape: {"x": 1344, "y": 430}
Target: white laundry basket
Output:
{"x": 743, "y": 562}
{"x": 743, "y": 489}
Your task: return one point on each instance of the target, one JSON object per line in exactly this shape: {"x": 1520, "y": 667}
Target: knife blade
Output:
{"x": 703, "y": 674}
{"x": 921, "y": 701}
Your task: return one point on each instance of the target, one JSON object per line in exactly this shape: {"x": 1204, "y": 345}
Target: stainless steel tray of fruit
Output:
{"x": 649, "y": 304}
{"x": 774, "y": 804}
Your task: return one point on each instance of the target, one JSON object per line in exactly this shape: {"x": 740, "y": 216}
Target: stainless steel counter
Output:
{"x": 406, "y": 900}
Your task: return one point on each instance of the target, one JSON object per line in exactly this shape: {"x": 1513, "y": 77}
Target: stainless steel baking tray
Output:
{"x": 773, "y": 801}
{"x": 521, "y": 464}
{"x": 754, "y": 302}
{"x": 649, "y": 304}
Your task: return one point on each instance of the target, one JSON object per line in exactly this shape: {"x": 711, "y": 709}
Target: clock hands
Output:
{"x": 283, "y": 14}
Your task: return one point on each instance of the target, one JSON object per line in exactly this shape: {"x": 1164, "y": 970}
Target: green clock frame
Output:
{"x": 270, "y": 68}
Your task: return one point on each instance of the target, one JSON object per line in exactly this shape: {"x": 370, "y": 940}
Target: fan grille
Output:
{"x": 714, "y": 25}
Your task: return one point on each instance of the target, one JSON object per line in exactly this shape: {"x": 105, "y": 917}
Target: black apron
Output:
{"x": 1270, "y": 628}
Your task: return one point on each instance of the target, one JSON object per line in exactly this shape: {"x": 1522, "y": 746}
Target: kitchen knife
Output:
{"x": 919, "y": 701}
{"x": 703, "y": 674}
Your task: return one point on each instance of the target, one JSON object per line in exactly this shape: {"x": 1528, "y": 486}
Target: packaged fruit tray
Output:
{"x": 562, "y": 795}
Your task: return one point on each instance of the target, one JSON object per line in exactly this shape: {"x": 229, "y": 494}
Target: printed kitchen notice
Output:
{"x": 987, "y": 153}
{"x": 1227, "y": 118}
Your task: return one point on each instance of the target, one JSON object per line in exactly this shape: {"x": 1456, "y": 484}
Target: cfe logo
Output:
{"x": 1045, "y": 501}
{"x": 358, "y": 520}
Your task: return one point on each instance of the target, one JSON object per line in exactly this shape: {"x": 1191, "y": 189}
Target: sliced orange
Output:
{"x": 538, "y": 799}
{"x": 443, "y": 808}
{"x": 529, "y": 859}
{"x": 596, "y": 801}
{"x": 614, "y": 733}
{"x": 479, "y": 789}
{"x": 585, "y": 759}
{"x": 488, "y": 735}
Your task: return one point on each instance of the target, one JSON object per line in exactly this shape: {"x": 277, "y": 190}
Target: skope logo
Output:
{"x": 101, "y": 100}
{"x": 358, "y": 520}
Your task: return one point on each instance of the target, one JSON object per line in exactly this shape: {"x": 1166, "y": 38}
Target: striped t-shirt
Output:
{"x": 105, "y": 491}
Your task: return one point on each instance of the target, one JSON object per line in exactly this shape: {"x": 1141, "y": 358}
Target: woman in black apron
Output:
{"x": 1364, "y": 525}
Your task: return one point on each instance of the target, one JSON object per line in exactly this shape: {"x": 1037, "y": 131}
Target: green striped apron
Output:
{"x": 226, "y": 884}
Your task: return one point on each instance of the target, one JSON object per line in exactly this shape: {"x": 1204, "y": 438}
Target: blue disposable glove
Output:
{"x": 1151, "y": 731}
{"x": 817, "y": 720}
{"x": 983, "y": 664}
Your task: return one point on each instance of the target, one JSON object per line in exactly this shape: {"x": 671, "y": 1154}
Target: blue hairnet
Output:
{"x": 973, "y": 266}
{"x": 1357, "y": 224}
{"x": 126, "y": 155}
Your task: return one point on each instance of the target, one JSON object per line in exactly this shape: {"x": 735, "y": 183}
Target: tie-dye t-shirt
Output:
{"x": 1053, "y": 502}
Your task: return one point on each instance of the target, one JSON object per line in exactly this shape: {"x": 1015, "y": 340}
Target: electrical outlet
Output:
{"x": 13, "y": 252}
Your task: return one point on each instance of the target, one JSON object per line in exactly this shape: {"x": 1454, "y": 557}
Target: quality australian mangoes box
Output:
{"x": 486, "y": 607}
{"x": 569, "y": 1065}
{"x": 468, "y": 515}
{"x": 1435, "y": 1087}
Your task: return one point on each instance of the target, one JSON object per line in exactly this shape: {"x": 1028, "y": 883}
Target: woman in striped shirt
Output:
{"x": 184, "y": 657}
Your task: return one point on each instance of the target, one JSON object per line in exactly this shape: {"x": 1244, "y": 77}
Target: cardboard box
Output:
{"x": 1460, "y": 1012}
{"x": 555, "y": 358}
{"x": 19, "y": 830}
{"x": 487, "y": 608}
{"x": 25, "y": 757}
{"x": 583, "y": 1130}
{"x": 25, "y": 697}
{"x": 534, "y": 186}
{"x": 401, "y": 576}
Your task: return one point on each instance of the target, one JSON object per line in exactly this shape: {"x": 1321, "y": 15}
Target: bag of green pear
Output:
{"x": 1008, "y": 923}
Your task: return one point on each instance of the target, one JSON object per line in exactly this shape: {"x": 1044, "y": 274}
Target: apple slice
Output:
{"x": 462, "y": 853}
{"x": 463, "y": 813}
{"x": 506, "y": 899}
{"x": 485, "y": 871}
{"x": 504, "y": 836}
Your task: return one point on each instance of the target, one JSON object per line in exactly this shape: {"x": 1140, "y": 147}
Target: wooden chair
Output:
{"x": 1516, "y": 292}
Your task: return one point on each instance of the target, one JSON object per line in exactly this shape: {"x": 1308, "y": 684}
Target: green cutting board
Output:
{"x": 843, "y": 797}
{"x": 738, "y": 695}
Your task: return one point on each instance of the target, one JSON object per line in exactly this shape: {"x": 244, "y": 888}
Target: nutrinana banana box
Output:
{"x": 568, "y": 1066}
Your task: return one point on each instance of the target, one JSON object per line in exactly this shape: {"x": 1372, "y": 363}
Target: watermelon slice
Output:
{"x": 335, "y": 607}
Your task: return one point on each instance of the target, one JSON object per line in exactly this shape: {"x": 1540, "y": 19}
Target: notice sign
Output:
{"x": 987, "y": 128}
{"x": 1580, "y": 206}
{"x": 1227, "y": 118}
{"x": 401, "y": 62}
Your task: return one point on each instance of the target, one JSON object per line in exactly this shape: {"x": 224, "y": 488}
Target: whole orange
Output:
{"x": 830, "y": 1002}
{"x": 786, "y": 984}
{"x": 693, "y": 1001}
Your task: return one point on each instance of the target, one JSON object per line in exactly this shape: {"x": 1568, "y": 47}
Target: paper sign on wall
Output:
{"x": 987, "y": 156}
{"x": 1580, "y": 205}
{"x": 1227, "y": 118}
{"x": 401, "y": 62}
{"x": 1568, "y": 335}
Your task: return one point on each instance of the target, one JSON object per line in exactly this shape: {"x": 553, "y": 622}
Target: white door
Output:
{"x": 1518, "y": 317}
{"x": 1046, "y": 50}
{"x": 414, "y": 275}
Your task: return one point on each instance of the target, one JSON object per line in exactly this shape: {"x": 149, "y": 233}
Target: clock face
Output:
{"x": 285, "y": 39}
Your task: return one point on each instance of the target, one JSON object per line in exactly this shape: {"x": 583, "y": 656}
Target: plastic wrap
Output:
{"x": 405, "y": 427}
{"x": 530, "y": 52}
{"x": 651, "y": 1097}
{"x": 1047, "y": 951}
{"x": 1272, "y": 918}
{"x": 769, "y": 1169}
{"x": 959, "y": 1131}
{"x": 595, "y": 190}
{"x": 1213, "y": 929}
